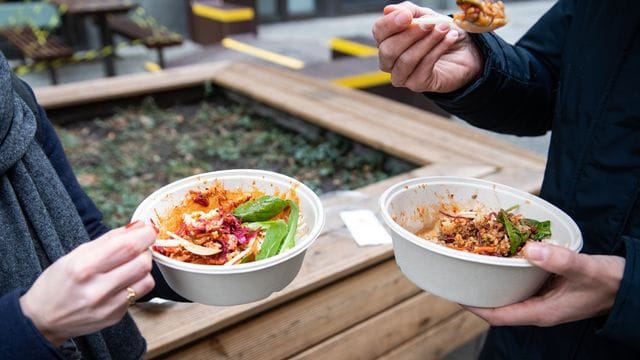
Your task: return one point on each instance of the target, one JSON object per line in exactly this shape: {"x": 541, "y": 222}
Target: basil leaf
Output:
{"x": 275, "y": 232}
{"x": 260, "y": 209}
{"x": 290, "y": 240}
{"x": 541, "y": 229}
{"x": 515, "y": 237}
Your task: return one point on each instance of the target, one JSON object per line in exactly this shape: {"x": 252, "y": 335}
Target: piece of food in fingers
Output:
{"x": 479, "y": 16}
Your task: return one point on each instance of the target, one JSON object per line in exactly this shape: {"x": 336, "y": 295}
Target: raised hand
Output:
{"x": 434, "y": 58}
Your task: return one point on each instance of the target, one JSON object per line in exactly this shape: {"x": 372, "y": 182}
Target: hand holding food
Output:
{"x": 91, "y": 287}
{"x": 584, "y": 286}
{"x": 425, "y": 57}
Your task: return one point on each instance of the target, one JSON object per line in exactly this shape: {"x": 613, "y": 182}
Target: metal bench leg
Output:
{"x": 161, "y": 57}
{"x": 53, "y": 73}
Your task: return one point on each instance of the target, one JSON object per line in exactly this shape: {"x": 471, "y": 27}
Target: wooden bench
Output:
{"x": 150, "y": 35}
{"x": 38, "y": 46}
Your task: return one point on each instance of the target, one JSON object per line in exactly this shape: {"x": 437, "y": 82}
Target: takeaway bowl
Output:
{"x": 463, "y": 277}
{"x": 240, "y": 283}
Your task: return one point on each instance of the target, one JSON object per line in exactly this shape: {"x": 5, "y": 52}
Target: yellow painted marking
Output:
{"x": 262, "y": 54}
{"x": 152, "y": 67}
{"x": 353, "y": 48}
{"x": 224, "y": 15}
{"x": 364, "y": 80}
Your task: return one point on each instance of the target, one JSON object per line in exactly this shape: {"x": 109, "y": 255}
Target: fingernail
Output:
{"x": 402, "y": 18}
{"x": 452, "y": 35}
{"x": 443, "y": 27}
{"x": 536, "y": 252}
{"x": 133, "y": 224}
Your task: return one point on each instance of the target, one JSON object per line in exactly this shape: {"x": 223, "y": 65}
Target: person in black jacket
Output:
{"x": 576, "y": 73}
{"x": 66, "y": 281}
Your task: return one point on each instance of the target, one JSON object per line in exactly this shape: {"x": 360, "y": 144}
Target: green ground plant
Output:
{"x": 121, "y": 159}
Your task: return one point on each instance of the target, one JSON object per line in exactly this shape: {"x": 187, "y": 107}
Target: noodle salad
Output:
{"x": 233, "y": 226}
{"x": 502, "y": 233}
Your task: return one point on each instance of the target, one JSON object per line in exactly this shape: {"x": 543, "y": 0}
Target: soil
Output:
{"x": 122, "y": 158}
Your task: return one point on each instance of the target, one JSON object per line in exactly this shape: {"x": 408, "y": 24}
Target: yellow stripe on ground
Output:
{"x": 224, "y": 15}
{"x": 152, "y": 67}
{"x": 364, "y": 80}
{"x": 262, "y": 54}
{"x": 352, "y": 48}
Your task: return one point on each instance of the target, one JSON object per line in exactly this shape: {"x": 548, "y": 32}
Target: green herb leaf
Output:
{"x": 515, "y": 237}
{"x": 542, "y": 229}
{"x": 275, "y": 232}
{"x": 290, "y": 240}
{"x": 260, "y": 209}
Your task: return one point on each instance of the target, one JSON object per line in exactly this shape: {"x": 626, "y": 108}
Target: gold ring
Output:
{"x": 131, "y": 296}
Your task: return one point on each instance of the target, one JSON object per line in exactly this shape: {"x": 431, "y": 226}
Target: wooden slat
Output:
{"x": 386, "y": 331}
{"x": 152, "y": 36}
{"x": 334, "y": 256}
{"x": 121, "y": 87}
{"x": 376, "y": 121}
{"x": 396, "y": 128}
{"x": 293, "y": 326}
{"x": 441, "y": 339}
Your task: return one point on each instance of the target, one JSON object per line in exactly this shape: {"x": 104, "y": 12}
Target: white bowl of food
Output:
{"x": 230, "y": 237}
{"x": 451, "y": 238}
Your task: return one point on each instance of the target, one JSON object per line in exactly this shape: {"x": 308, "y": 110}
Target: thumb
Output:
{"x": 555, "y": 259}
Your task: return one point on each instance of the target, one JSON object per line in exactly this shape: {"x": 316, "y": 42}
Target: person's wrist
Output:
{"x": 40, "y": 323}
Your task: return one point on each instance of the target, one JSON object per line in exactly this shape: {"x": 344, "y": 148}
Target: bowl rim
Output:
{"x": 301, "y": 244}
{"x": 405, "y": 234}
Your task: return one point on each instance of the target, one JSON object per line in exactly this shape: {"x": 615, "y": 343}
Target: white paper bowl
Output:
{"x": 241, "y": 283}
{"x": 462, "y": 277}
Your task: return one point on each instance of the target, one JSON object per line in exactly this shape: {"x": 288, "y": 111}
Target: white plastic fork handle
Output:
{"x": 426, "y": 20}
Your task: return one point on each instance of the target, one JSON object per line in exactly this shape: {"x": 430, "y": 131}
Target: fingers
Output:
{"x": 396, "y": 19}
{"x": 130, "y": 273}
{"x": 523, "y": 313}
{"x": 137, "y": 290}
{"x": 557, "y": 260}
{"x": 415, "y": 65}
{"x": 115, "y": 248}
{"x": 105, "y": 286}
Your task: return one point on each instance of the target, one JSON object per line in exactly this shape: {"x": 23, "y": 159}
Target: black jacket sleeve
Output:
{"x": 516, "y": 91}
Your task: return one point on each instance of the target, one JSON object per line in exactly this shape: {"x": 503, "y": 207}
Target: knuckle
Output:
{"x": 80, "y": 272}
{"x": 395, "y": 81}
{"x": 93, "y": 300}
{"x": 403, "y": 60}
{"x": 130, "y": 249}
{"x": 385, "y": 51}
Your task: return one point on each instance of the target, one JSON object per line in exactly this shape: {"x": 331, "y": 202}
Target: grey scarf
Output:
{"x": 38, "y": 221}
